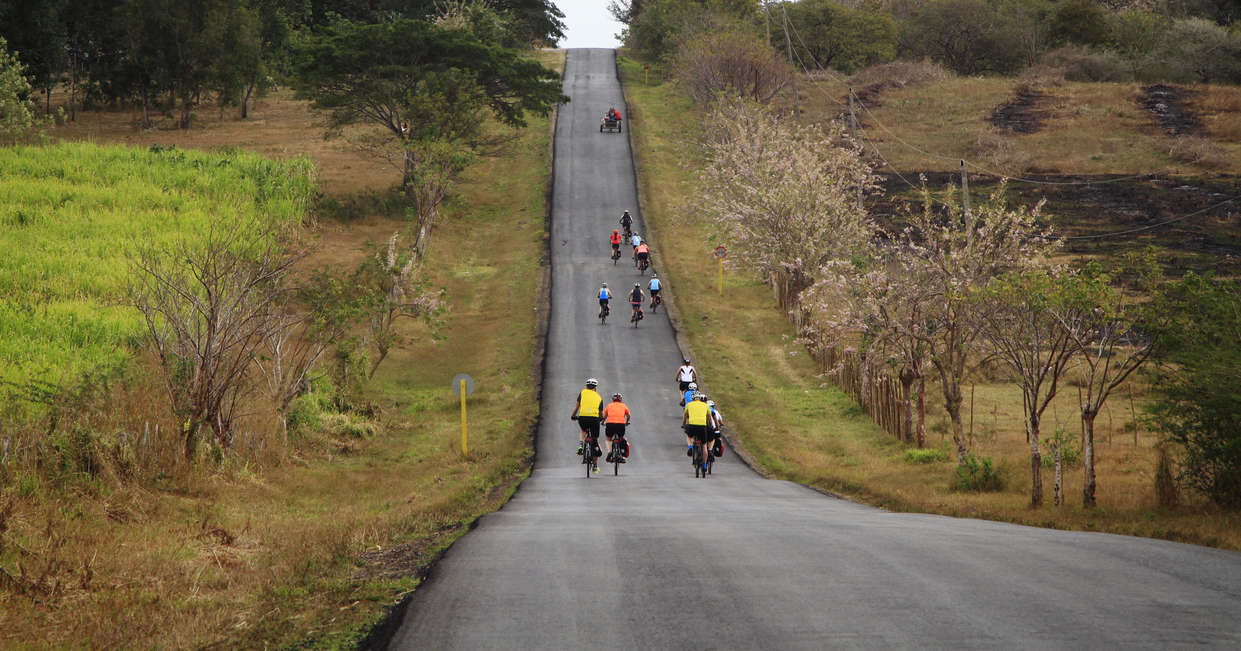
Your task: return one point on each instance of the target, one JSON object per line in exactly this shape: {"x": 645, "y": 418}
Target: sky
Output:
{"x": 588, "y": 24}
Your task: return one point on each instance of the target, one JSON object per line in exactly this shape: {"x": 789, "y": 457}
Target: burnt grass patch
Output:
{"x": 1095, "y": 209}
{"x": 1022, "y": 113}
{"x": 1169, "y": 106}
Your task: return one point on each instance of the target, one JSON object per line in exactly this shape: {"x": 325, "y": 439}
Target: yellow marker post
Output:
{"x": 720, "y": 252}
{"x": 465, "y": 448}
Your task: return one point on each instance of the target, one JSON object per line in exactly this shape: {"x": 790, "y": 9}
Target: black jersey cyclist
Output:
{"x": 635, "y": 299}
{"x": 626, "y": 222}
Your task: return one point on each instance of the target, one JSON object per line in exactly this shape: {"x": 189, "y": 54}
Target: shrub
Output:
{"x": 927, "y": 455}
{"x": 1079, "y": 21}
{"x": 1199, "y": 151}
{"x": 732, "y": 63}
{"x": 1195, "y": 49}
{"x": 1079, "y": 63}
{"x": 899, "y": 74}
{"x": 1070, "y": 450}
{"x": 978, "y": 475}
{"x": 968, "y": 36}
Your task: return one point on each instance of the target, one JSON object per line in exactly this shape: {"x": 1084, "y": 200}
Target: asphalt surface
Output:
{"x": 655, "y": 558}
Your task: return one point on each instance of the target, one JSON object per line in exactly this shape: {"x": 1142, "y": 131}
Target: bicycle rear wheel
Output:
{"x": 697, "y": 459}
{"x": 616, "y": 459}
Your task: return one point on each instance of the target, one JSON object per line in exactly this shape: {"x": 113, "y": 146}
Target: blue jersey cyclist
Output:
{"x": 654, "y": 286}
{"x": 688, "y": 395}
{"x": 605, "y": 295}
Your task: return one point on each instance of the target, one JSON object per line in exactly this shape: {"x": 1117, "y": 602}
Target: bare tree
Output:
{"x": 1109, "y": 346}
{"x": 396, "y": 291}
{"x": 952, "y": 255}
{"x": 208, "y": 304}
{"x": 1021, "y": 328}
{"x": 731, "y": 63}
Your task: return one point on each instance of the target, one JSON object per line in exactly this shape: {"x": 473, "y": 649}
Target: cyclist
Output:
{"x": 615, "y": 239}
{"x": 654, "y": 286}
{"x": 605, "y": 295}
{"x": 641, "y": 255}
{"x": 686, "y": 375}
{"x": 688, "y": 396}
{"x": 696, "y": 421}
{"x": 626, "y": 222}
{"x": 586, "y": 411}
{"x": 635, "y": 301}
{"x": 717, "y": 419}
{"x": 634, "y": 242}
{"x": 615, "y": 418}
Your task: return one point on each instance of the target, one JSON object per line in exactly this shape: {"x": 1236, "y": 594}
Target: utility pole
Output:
{"x": 965, "y": 189}
{"x": 853, "y": 130}
{"x": 789, "y": 44}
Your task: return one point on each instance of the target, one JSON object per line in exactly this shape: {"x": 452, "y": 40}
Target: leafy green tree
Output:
{"x": 1196, "y": 49}
{"x": 663, "y": 25}
{"x": 1079, "y": 21}
{"x": 833, "y": 35}
{"x": 1197, "y": 402}
{"x": 968, "y": 36}
{"x": 16, "y": 110}
{"x": 1135, "y": 35}
{"x": 36, "y": 32}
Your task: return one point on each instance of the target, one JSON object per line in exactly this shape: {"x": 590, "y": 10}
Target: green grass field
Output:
{"x": 70, "y": 214}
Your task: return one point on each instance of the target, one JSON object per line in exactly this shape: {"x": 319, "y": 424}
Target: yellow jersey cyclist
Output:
{"x": 697, "y": 422}
{"x": 586, "y": 411}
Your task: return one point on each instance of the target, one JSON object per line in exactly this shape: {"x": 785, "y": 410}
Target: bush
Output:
{"x": 1079, "y": 63}
{"x": 1195, "y": 49}
{"x": 1070, "y": 450}
{"x": 978, "y": 475}
{"x": 968, "y": 36}
{"x": 927, "y": 455}
{"x": 732, "y": 63}
{"x": 1197, "y": 401}
{"x": 1199, "y": 151}
{"x": 1079, "y": 21}
{"x": 899, "y": 74}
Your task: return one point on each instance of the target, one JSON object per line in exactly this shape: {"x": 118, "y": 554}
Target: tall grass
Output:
{"x": 69, "y": 214}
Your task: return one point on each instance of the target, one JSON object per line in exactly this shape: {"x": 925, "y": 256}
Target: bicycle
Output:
{"x": 636, "y": 316}
{"x": 604, "y": 311}
{"x": 588, "y": 455}
{"x": 656, "y": 301}
{"x": 615, "y": 254}
{"x": 619, "y": 444}
{"x": 700, "y": 465}
{"x": 628, "y": 231}
{"x": 643, "y": 264}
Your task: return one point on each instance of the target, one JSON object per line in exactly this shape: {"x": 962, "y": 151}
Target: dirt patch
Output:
{"x": 1168, "y": 105}
{"x": 1024, "y": 113}
{"x": 869, "y": 96}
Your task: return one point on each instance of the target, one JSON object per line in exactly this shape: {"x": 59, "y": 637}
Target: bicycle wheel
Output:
{"x": 697, "y": 459}
{"x": 588, "y": 456}
{"x": 710, "y": 460}
{"x": 616, "y": 457}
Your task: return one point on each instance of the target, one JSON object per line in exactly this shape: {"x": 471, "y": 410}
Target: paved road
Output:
{"x": 657, "y": 559}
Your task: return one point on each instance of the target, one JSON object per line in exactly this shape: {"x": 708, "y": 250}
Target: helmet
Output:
{"x": 592, "y": 382}
{"x": 710, "y": 403}
{"x": 636, "y": 285}
{"x": 699, "y": 396}
{"x": 616, "y": 396}
{"x": 615, "y": 230}
{"x": 604, "y": 285}
{"x": 654, "y": 275}
{"x": 685, "y": 359}
{"x": 693, "y": 386}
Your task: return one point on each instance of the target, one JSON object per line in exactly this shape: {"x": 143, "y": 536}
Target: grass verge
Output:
{"x": 799, "y": 427}
{"x": 312, "y": 552}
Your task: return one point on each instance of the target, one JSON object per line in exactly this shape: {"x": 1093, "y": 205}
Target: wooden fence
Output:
{"x": 880, "y": 395}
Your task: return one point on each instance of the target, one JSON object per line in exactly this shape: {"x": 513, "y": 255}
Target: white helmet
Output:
{"x": 592, "y": 382}
{"x": 693, "y": 386}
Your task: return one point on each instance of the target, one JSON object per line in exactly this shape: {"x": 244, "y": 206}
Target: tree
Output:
{"x": 833, "y": 35}
{"x": 421, "y": 82}
{"x": 36, "y": 32}
{"x": 1020, "y": 327}
{"x": 1109, "y": 344}
{"x": 731, "y": 63}
{"x": 1082, "y": 22}
{"x": 16, "y": 111}
{"x": 784, "y": 195}
{"x": 663, "y": 25}
{"x": 1135, "y": 35}
{"x": 1197, "y": 404}
{"x": 208, "y": 305}
{"x": 953, "y": 255}
{"x": 969, "y": 36}
{"x": 1199, "y": 50}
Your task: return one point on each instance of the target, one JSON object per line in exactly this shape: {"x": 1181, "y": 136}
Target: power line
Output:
{"x": 1152, "y": 226}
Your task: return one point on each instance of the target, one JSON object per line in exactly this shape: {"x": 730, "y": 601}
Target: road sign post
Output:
{"x": 463, "y": 385}
{"x": 720, "y": 252}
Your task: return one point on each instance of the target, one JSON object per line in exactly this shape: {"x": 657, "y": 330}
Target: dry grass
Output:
{"x": 1094, "y": 128}
{"x": 309, "y": 551}
{"x": 801, "y": 428}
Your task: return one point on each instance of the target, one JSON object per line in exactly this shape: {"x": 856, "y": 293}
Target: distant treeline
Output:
{"x": 1090, "y": 40}
{"x": 173, "y": 53}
